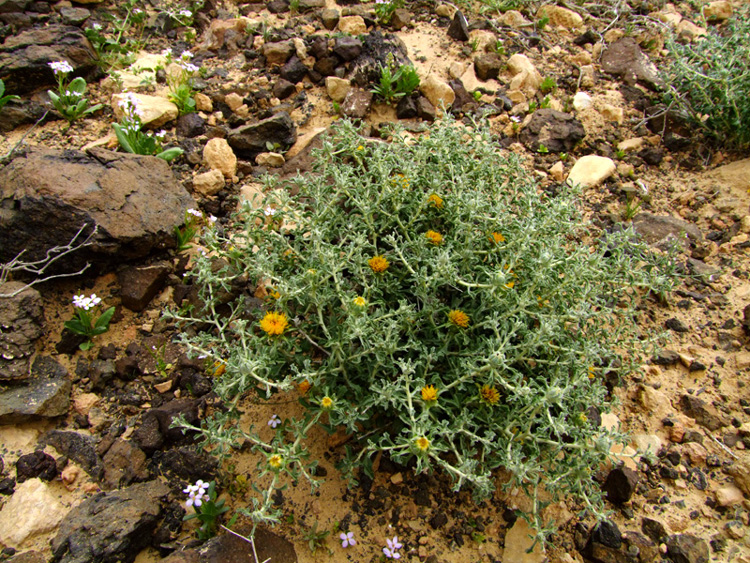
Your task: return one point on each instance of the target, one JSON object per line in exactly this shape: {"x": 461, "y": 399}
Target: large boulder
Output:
{"x": 24, "y": 57}
{"x": 47, "y": 196}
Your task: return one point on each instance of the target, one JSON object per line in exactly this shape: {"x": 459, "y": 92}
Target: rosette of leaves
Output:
{"x": 442, "y": 308}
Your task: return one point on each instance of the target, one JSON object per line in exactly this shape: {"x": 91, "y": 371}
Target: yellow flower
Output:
{"x": 436, "y": 200}
{"x": 378, "y": 264}
{"x": 459, "y": 318}
{"x": 497, "y": 238}
{"x": 326, "y": 402}
{"x": 304, "y": 387}
{"x": 489, "y": 395}
{"x": 361, "y": 148}
{"x": 582, "y": 418}
{"x": 275, "y": 461}
{"x": 422, "y": 443}
{"x": 219, "y": 368}
{"x": 434, "y": 237}
{"x": 274, "y": 323}
{"x": 510, "y": 284}
{"x": 360, "y": 301}
{"x": 592, "y": 372}
{"x": 429, "y": 394}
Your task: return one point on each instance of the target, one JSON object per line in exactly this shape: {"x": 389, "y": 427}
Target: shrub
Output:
{"x": 426, "y": 296}
{"x": 710, "y": 80}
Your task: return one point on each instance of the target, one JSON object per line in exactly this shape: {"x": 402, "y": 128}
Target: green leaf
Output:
{"x": 76, "y": 327}
{"x": 86, "y": 345}
{"x": 103, "y": 321}
{"x": 122, "y": 138}
{"x": 170, "y": 154}
{"x": 77, "y": 85}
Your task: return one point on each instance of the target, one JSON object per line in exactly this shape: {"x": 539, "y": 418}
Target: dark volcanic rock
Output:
{"x": 190, "y": 125}
{"x": 24, "y": 57}
{"x": 36, "y": 464}
{"x": 229, "y": 548}
{"x": 48, "y": 195}
{"x": 250, "y": 140}
{"x": 625, "y": 59}
{"x": 704, "y": 413}
{"x": 605, "y": 544}
{"x": 184, "y": 463}
{"x": 293, "y": 70}
{"x": 123, "y": 464}
{"x": 407, "y": 108}
{"x": 347, "y": 48}
{"x": 556, "y": 130}
{"x": 21, "y": 112}
{"x": 140, "y": 284}
{"x": 46, "y": 394}
{"x": 21, "y": 320}
{"x": 620, "y": 484}
{"x": 488, "y": 65}
{"x": 376, "y": 48}
{"x": 459, "y": 27}
{"x": 655, "y": 229}
{"x": 112, "y": 526}
{"x": 685, "y": 548}
{"x": 357, "y": 103}
{"x": 78, "y": 447}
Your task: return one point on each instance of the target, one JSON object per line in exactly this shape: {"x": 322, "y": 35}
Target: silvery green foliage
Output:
{"x": 483, "y": 343}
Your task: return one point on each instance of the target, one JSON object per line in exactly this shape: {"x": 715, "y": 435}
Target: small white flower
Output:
{"x": 212, "y": 219}
{"x": 186, "y": 13}
{"x": 137, "y": 11}
{"x": 274, "y": 421}
{"x": 186, "y": 55}
{"x": 195, "y": 213}
{"x": 166, "y": 52}
{"x": 96, "y": 26}
{"x": 347, "y": 539}
{"x": 161, "y": 134}
{"x": 61, "y": 67}
{"x": 269, "y": 211}
{"x": 190, "y": 67}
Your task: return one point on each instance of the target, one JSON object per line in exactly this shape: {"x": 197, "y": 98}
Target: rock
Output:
{"x": 278, "y": 53}
{"x": 557, "y": 131}
{"x": 513, "y": 19}
{"x": 28, "y": 557}
{"x": 45, "y": 395}
{"x": 24, "y": 57}
{"x": 229, "y": 548}
{"x": 78, "y": 447}
{"x": 353, "y": 25}
{"x": 717, "y": 11}
{"x": 557, "y": 171}
{"x": 21, "y": 322}
{"x": 190, "y": 125}
{"x": 487, "y": 66}
{"x": 140, "y": 284}
{"x": 233, "y": 100}
{"x": 123, "y": 463}
{"x": 184, "y": 463}
{"x": 425, "y": 110}
{"x": 654, "y": 529}
{"x": 15, "y": 114}
{"x": 32, "y": 510}
{"x": 270, "y": 159}
{"x": 157, "y": 111}
{"x": 688, "y": 31}
{"x": 439, "y": 93}
{"x": 377, "y": 48}
{"x": 218, "y": 155}
{"x": 561, "y": 17}
{"x": 656, "y": 229}
{"x": 647, "y": 550}
{"x": 337, "y": 88}
{"x": 604, "y": 543}
{"x": 624, "y": 59}
{"x": 676, "y": 325}
{"x": 357, "y": 103}
{"x": 48, "y": 195}
{"x": 294, "y": 70}
{"x": 36, "y": 465}
{"x": 590, "y": 171}
{"x": 407, "y": 109}
{"x": 400, "y": 19}
{"x": 620, "y": 484}
{"x": 729, "y": 495}
{"x": 703, "y": 413}
{"x": 74, "y": 16}
{"x": 309, "y": 5}
{"x": 525, "y": 75}
{"x": 111, "y": 526}
{"x": 250, "y": 140}
{"x": 330, "y": 18}
{"x": 459, "y": 27}
{"x": 517, "y": 542}
{"x": 740, "y": 470}
{"x": 282, "y": 89}
{"x": 203, "y": 102}
{"x": 612, "y": 113}
{"x": 347, "y": 48}
{"x": 686, "y": 548}
{"x": 646, "y": 443}
{"x": 445, "y": 11}
{"x": 582, "y": 101}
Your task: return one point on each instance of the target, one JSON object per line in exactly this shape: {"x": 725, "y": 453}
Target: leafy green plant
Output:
{"x": 384, "y": 10}
{"x": 70, "y": 99}
{"x": 710, "y": 80}
{"x": 111, "y": 42}
{"x": 394, "y": 85}
{"x": 87, "y": 321}
{"x": 194, "y": 219}
{"x": 131, "y": 137}
{"x": 432, "y": 302}
{"x": 202, "y": 497}
{"x": 548, "y": 85}
{"x": 500, "y": 5}
{"x": 181, "y": 84}
{"x": 3, "y": 98}
{"x": 316, "y": 538}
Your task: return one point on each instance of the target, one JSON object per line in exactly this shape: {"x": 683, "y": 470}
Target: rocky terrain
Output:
{"x": 90, "y": 469}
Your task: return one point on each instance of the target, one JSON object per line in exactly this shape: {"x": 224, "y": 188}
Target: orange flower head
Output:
{"x": 489, "y": 395}
{"x": 497, "y": 238}
{"x": 326, "y": 402}
{"x": 274, "y": 324}
{"x": 434, "y": 237}
{"x": 422, "y": 443}
{"x": 304, "y": 387}
{"x": 378, "y": 264}
{"x": 459, "y": 318}
{"x": 429, "y": 394}
{"x": 436, "y": 200}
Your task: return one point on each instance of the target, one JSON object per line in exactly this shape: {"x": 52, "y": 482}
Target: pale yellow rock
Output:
{"x": 518, "y": 542}
{"x": 337, "y": 88}
{"x": 233, "y": 100}
{"x": 203, "y": 102}
{"x": 728, "y": 495}
{"x": 560, "y": 16}
{"x": 588, "y": 76}
{"x": 208, "y": 183}
{"x": 456, "y": 69}
{"x": 630, "y": 145}
{"x": 646, "y": 443}
{"x": 612, "y": 113}
{"x": 516, "y": 96}
{"x": 218, "y": 155}
{"x": 484, "y": 40}
{"x": 303, "y": 140}
{"x": 164, "y": 387}
{"x": 688, "y": 31}
{"x": 445, "y": 11}
{"x": 437, "y": 92}
{"x": 353, "y": 25}
{"x": 744, "y": 430}
{"x": 397, "y": 478}
{"x": 669, "y": 18}
{"x": 270, "y": 159}
{"x": 84, "y": 402}
{"x": 695, "y": 452}
{"x": 745, "y": 224}
{"x": 611, "y": 36}
{"x": 582, "y": 101}
{"x": 718, "y": 11}
{"x": 156, "y": 110}
{"x": 557, "y": 171}
{"x": 591, "y": 170}
{"x": 32, "y": 510}
{"x": 514, "y": 19}
{"x": 520, "y": 64}
{"x": 253, "y": 195}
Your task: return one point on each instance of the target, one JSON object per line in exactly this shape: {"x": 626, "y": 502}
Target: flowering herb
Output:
{"x": 347, "y": 539}
{"x": 436, "y": 201}
{"x": 180, "y": 84}
{"x": 202, "y": 498}
{"x": 378, "y": 264}
{"x": 274, "y": 421}
{"x": 87, "y": 321}
{"x": 130, "y": 135}
{"x": 429, "y": 394}
{"x": 458, "y": 318}
{"x": 70, "y": 99}
{"x": 3, "y": 98}
{"x": 392, "y": 547}
{"x": 489, "y": 395}
{"x": 274, "y": 324}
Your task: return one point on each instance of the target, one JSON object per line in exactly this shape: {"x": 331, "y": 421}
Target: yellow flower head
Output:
{"x": 422, "y": 443}
{"x": 459, "y": 318}
{"x": 497, "y": 238}
{"x": 273, "y": 294}
{"x": 489, "y": 395}
{"x": 436, "y": 200}
{"x": 274, "y": 324}
{"x": 276, "y": 461}
{"x": 429, "y": 394}
{"x": 326, "y": 402}
{"x": 360, "y": 301}
{"x": 434, "y": 237}
{"x": 592, "y": 372}
{"x": 510, "y": 284}
{"x": 219, "y": 368}
{"x": 304, "y": 387}
{"x": 378, "y": 264}
{"x": 361, "y": 148}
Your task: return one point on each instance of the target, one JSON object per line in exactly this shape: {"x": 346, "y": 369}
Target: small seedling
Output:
{"x": 5, "y": 99}
{"x": 316, "y": 538}
{"x": 202, "y": 497}
{"x": 548, "y": 85}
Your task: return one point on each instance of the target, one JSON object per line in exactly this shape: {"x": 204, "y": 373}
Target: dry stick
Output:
{"x": 730, "y": 452}
{"x": 249, "y": 540}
